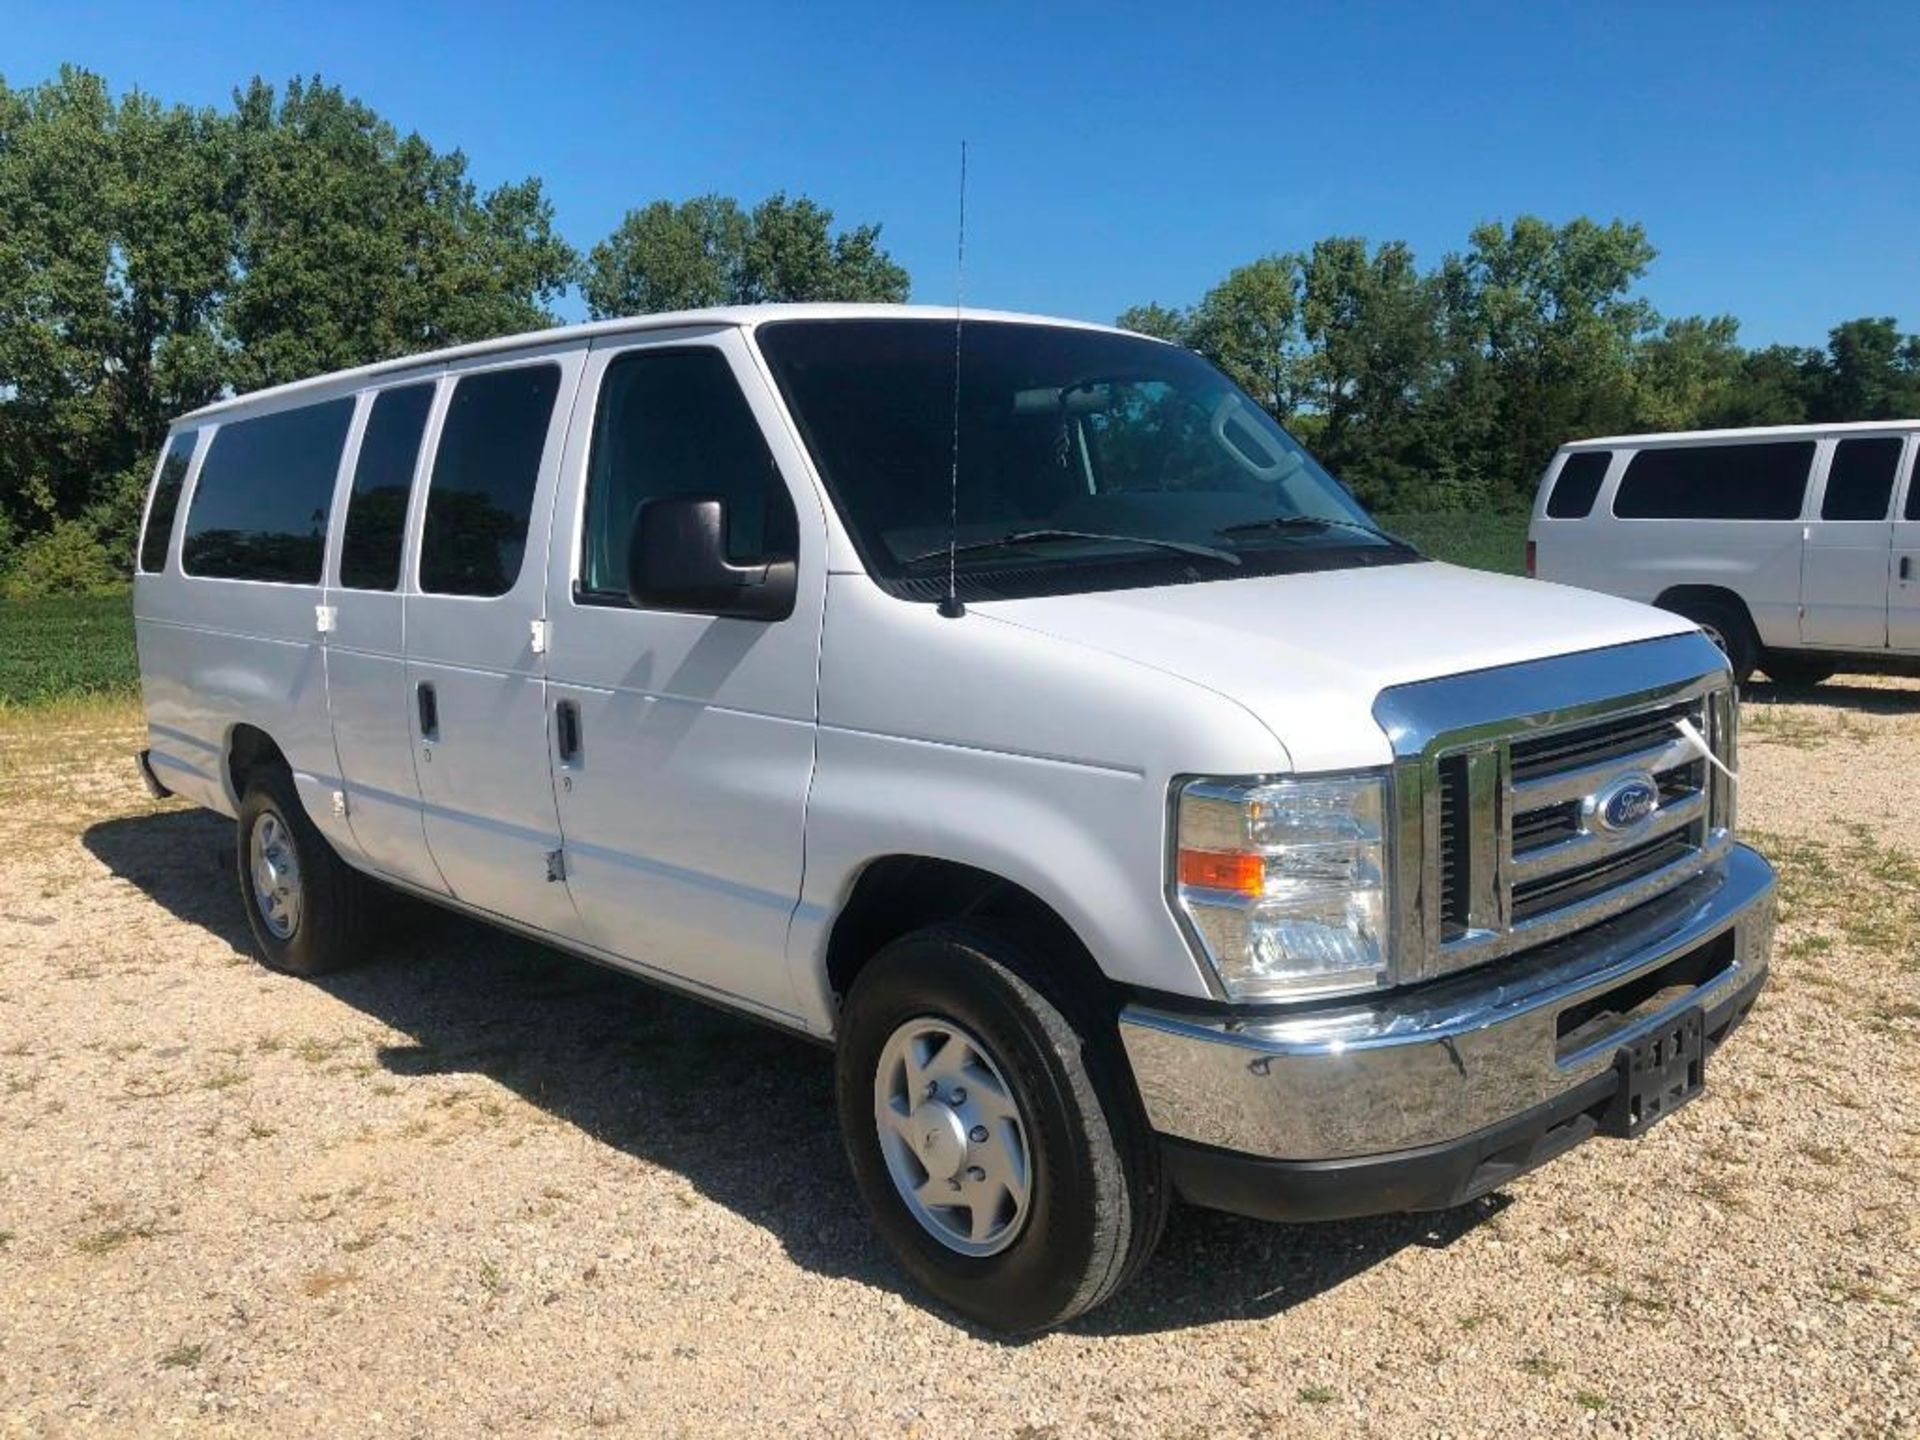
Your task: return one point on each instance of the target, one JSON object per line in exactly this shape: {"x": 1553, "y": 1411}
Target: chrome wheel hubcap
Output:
{"x": 275, "y": 866}
{"x": 953, "y": 1137}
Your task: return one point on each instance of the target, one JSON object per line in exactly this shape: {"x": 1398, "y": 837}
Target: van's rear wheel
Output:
{"x": 997, "y": 1143}
{"x": 307, "y": 906}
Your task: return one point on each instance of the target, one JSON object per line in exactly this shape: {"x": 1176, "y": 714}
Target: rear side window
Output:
{"x": 484, "y": 473}
{"x": 1716, "y": 482}
{"x": 382, "y": 480}
{"x": 673, "y": 422}
{"x": 166, "y": 502}
{"x": 1578, "y": 482}
{"x": 260, "y": 508}
{"x": 1860, "y": 480}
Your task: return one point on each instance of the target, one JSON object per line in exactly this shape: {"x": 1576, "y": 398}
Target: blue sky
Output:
{"x": 1123, "y": 153}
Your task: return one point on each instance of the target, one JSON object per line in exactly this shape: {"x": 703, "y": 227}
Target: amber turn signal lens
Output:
{"x": 1223, "y": 870}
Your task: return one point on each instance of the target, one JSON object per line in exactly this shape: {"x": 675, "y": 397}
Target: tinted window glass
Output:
{"x": 260, "y": 508}
{"x": 673, "y": 422}
{"x": 1578, "y": 482}
{"x": 166, "y": 502}
{"x": 1716, "y": 482}
{"x": 1163, "y": 472}
{"x": 1860, "y": 480}
{"x": 382, "y": 479}
{"x": 484, "y": 473}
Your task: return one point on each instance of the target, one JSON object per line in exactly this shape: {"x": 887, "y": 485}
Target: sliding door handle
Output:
{"x": 429, "y": 705}
{"x": 1906, "y": 567}
{"x": 566, "y": 722}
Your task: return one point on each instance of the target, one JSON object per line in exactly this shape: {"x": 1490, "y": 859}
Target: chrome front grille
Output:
{"x": 1509, "y": 840}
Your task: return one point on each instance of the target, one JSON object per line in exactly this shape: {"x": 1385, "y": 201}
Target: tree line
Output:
{"x": 156, "y": 256}
{"x": 1449, "y": 389}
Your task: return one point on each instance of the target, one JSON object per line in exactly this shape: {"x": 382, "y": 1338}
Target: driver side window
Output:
{"x": 673, "y": 422}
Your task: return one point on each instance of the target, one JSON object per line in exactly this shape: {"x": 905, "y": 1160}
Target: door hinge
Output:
{"x": 542, "y": 632}
{"x": 556, "y": 865}
{"x": 323, "y": 619}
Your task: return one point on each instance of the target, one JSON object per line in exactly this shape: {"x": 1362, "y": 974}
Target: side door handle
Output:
{"x": 429, "y": 704}
{"x": 1906, "y": 567}
{"x": 566, "y": 720}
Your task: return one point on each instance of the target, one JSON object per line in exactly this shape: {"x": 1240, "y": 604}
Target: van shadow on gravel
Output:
{"x": 743, "y": 1113}
{"x": 1840, "y": 694}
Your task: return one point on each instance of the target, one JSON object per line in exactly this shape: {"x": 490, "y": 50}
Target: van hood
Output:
{"x": 1308, "y": 654}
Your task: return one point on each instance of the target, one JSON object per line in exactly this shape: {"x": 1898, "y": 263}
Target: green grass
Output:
{"x": 65, "y": 647}
{"x": 71, "y": 647}
{"x": 1485, "y": 542}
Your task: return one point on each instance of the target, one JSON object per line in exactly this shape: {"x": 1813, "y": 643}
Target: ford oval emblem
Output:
{"x": 1626, "y": 802}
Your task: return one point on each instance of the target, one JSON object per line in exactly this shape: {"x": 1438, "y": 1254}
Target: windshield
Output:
{"x": 1087, "y": 459}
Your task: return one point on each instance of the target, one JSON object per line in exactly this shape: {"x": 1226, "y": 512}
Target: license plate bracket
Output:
{"x": 1658, "y": 1073}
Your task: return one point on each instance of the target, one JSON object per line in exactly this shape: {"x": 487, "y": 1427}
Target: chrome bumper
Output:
{"x": 1422, "y": 1068}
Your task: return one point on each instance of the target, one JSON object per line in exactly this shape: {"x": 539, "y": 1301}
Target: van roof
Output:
{"x": 734, "y": 316}
{"x": 1752, "y": 432}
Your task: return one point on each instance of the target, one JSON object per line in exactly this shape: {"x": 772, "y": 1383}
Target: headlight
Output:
{"x": 1285, "y": 882}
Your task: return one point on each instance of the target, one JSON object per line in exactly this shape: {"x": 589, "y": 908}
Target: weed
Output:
{"x": 183, "y": 1357}
{"x": 491, "y": 1280}
{"x": 1318, "y": 1395}
{"x": 105, "y": 1242}
{"x": 1540, "y": 1367}
{"x": 1591, "y": 1400}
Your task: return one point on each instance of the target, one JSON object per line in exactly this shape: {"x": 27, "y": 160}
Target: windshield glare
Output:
{"x": 1115, "y": 437}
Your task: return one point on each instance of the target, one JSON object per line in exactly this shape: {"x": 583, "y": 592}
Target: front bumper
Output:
{"x": 1472, "y": 1078}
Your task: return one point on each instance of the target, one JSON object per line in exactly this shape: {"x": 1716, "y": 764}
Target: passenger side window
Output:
{"x": 484, "y": 473}
{"x": 1577, "y": 484}
{"x": 166, "y": 502}
{"x": 673, "y": 422}
{"x": 1860, "y": 480}
{"x": 382, "y": 480}
{"x": 259, "y": 511}
{"x": 1716, "y": 482}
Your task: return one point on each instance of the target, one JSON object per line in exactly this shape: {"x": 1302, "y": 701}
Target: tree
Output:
{"x": 1688, "y": 372}
{"x": 1373, "y": 355}
{"x": 1248, "y": 325}
{"x": 115, "y": 249}
{"x": 1540, "y": 328}
{"x": 153, "y": 257}
{"x": 708, "y": 251}
{"x": 1155, "y": 320}
{"x": 354, "y": 243}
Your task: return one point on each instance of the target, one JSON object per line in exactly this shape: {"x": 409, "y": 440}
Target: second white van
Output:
{"x": 1795, "y": 548}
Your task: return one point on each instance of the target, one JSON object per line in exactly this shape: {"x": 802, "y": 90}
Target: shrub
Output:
{"x": 64, "y": 560}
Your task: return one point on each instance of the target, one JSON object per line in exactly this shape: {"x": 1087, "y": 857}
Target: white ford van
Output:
{"x": 1066, "y": 748}
{"x": 1796, "y": 547}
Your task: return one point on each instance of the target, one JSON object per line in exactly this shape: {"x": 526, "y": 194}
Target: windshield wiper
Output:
{"x": 1048, "y": 535}
{"x": 1314, "y": 524}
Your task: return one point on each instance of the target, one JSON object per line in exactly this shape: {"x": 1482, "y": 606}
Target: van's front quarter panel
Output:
{"x": 1041, "y": 761}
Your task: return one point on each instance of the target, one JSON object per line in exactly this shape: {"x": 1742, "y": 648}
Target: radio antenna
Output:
{"x": 950, "y": 606}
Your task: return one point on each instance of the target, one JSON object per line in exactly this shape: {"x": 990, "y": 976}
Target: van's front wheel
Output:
{"x": 307, "y": 907}
{"x": 996, "y": 1143}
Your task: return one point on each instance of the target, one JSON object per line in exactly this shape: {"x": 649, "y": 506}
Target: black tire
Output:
{"x": 332, "y": 925}
{"x": 1098, "y": 1200}
{"x": 1796, "y": 672}
{"x": 1728, "y": 626}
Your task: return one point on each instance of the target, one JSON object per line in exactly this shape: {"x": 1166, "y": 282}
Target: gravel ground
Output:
{"x": 480, "y": 1188}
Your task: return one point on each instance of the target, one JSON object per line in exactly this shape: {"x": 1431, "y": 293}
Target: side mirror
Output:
{"x": 677, "y": 560}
